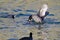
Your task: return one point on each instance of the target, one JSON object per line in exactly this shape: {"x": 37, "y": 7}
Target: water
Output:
{"x": 51, "y": 25}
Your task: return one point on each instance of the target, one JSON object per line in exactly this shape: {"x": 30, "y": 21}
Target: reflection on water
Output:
{"x": 4, "y": 27}
{"x": 5, "y": 15}
{"x": 31, "y": 11}
{"x": 12, "y": 39}
{"x": 46, "y": 21}
{"x": 51, "y": 21}
{"x": 51, "y": 15}
{"x": 21, "y": 14}
{"x": 17, "y": 10}
{"x": 18, "y": 15}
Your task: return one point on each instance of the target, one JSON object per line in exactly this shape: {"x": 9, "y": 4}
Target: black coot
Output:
{"x": 30, "y": 18}
{"x": 13, "y": 16}
{"x": 27, "y": 38}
